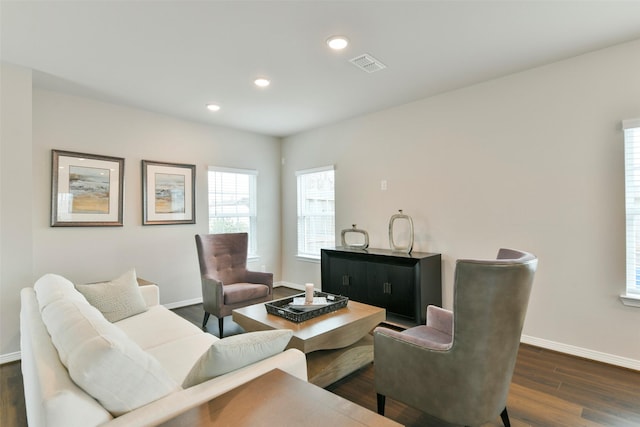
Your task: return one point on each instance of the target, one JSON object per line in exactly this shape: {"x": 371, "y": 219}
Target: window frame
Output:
{"x": 631, "y": 129}
{"x": 301, "y": 252}
{"x": 253, "y": 204}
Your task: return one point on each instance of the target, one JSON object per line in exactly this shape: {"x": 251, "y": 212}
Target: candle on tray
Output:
{"x": 308, "y": 293}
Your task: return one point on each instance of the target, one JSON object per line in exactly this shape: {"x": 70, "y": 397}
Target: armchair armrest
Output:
{"x": 260, "y": 277}
{"x": 212, "y": 294}
{"x": 422, "y": 342}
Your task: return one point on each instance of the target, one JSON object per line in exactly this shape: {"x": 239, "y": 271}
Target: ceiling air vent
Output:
{"x": 367, "y": 63}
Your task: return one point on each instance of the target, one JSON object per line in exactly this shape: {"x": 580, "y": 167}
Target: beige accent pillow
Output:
{"x": 235, "y": 352}
{"x": 118, "y": 299}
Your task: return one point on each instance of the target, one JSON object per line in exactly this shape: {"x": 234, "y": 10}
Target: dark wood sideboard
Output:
{"x": 403, "y": 284}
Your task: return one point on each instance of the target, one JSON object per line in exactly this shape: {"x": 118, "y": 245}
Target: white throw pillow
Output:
{"x": 119, "y": 374}
{"x": 235, "y": 352}
{"x": 118, "y": 299}
{"x": 52, "y": 287}
{"x": 71, "y": 322}
{"x": 102, "y": 359}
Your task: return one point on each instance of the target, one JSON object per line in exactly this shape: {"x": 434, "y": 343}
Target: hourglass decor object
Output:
{"x": 354, "y": 245}
{"x": 408, "y": 231}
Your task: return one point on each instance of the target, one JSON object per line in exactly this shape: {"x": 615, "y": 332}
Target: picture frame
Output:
{"x": 86, "y": 190}
{"x": 168, "y": 193}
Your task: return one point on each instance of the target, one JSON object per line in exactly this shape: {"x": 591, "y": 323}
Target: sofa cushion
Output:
{"x": 235, "y": 352}
{"x": 102, "y": 360}
{"x": 177, "y": 357}
{"x": 117, "y": 299}
{"x": 240, "y": 292}
{"x": 157, "y": 326}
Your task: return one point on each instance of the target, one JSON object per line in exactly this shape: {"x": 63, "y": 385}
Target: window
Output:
{"x": 632, "y": 204}
{"x": 316, "y": 211}
{"x": 232, "y": 203}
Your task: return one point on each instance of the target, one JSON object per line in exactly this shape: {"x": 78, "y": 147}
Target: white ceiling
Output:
{"x": 174, "y": 57}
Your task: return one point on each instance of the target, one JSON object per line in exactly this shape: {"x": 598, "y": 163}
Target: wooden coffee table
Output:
{"x": 336, "y": 343}
{"x": 278, "y": 399}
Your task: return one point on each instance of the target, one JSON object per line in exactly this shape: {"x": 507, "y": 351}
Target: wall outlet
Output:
{"x": 383, "y": 185}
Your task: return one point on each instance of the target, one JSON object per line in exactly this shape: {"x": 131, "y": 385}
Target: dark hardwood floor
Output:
{"x": 548, "y": 388}
{"x": 12, "y": 410}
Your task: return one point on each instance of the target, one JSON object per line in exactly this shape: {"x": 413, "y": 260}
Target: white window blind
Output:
{"x": 316, "y": 211}
{"x": 232, "y": 203}
{"x": 632, "y": 203}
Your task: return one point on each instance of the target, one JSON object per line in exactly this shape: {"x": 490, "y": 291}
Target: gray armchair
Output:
{"x": 226, "y": 282}
{"x": 458, "y": 367}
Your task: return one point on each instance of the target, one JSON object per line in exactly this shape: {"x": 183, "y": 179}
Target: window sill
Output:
{"x": 308, "y": 258}
{"x": 630, "y": 300}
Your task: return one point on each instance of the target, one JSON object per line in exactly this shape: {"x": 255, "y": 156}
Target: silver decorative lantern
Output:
{"x": 355, "y": 230}
{"x": 409, "y": 231}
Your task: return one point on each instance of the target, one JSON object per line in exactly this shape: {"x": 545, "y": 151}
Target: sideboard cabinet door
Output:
{"x": 403, "y": 284}
{"x": 391, "y": 286}
{"x": 346, "y": 278}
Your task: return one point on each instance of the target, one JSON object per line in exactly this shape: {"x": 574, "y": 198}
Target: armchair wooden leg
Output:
{"x": 220, "y": 325}
{"x": 206, "y": 319}
{"x": 505, "y": 418}
{"x": 381, "y": 401}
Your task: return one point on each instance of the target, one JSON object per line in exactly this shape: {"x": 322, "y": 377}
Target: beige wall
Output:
{"x": 164, "y": 254}
{"x": 532, "y": 161}
{"x": 16, "y": 181}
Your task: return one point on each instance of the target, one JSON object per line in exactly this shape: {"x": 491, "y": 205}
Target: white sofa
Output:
{"x": 53, "y": 398}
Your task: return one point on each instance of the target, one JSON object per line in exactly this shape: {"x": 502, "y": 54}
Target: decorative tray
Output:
{"x": 288, "y": 309}
{"x": 299, "y": 303}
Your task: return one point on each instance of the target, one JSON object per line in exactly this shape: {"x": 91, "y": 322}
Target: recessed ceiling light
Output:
{"x": 337, "y": 42}
{"x": 213, "y": 107}
{"x": 262, "y": 82}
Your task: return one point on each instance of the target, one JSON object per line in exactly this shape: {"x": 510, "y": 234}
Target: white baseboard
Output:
{"x": 184, "y": 303}
{"x": 598, "y": 356}
{"x": 289, "y": 285}
{"x": 9, "y": 357}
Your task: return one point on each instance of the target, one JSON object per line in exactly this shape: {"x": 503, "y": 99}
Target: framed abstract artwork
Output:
{"x": 168, "y": 193}
{"x": 86, "y": 190}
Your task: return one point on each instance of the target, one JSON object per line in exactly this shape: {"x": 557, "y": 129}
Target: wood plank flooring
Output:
{"x": 12, "y": 409}
{"x": 549, "y": 389}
